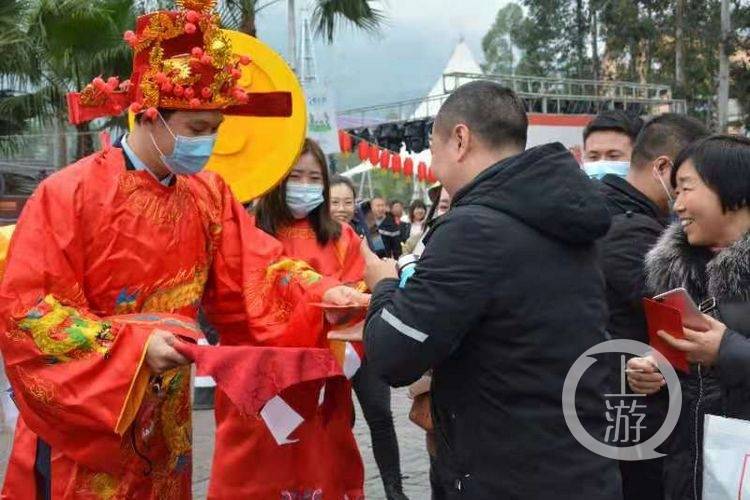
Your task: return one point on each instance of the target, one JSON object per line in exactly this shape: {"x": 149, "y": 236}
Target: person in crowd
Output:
{"x": 708, "y": 253}
{"x": 640, "y": 206}
{"x": 401, "y": 219}
{"x": 383, "y": 235}
{"x": 489, "y": 308}
{"x": 343, "y": 196}
{"x": 419, "y": 391}
{"x": 441, "y": 203}
{"x": 608, "y": 143}
{"x": 297, "y": 213}
{"x": 374, "y": 394}
{"x": 417, "y": 217}
{"x": 397, "y": 211}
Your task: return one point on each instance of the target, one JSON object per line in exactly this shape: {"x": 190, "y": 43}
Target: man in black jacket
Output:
{"x": 506, "y": 296}
{"x": 640, "y": 206}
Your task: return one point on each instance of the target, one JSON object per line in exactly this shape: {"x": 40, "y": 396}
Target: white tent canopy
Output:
{"x": 461, "y": 61}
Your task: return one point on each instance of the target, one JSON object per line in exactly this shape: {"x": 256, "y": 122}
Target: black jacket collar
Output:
{"x": 623, "y": 197}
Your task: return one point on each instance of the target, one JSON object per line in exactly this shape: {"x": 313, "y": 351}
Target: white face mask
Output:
{"x": 598, "y": 169}
{"x": 303, "y": 198}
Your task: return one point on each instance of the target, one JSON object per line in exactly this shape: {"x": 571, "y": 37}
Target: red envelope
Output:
{"x": 666, "y": 318}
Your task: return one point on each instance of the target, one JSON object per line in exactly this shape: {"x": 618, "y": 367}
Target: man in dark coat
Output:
{"x": 640, "y": 206}
{"x": 507, "y": 295}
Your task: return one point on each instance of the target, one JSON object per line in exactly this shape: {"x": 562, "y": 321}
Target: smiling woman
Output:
{"x": 708, "y": 253}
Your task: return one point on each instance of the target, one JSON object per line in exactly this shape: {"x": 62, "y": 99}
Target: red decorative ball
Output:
{"x": 197, "y": 52}
{"x": 189, "y": 93}
{"x": 151, "y": 113}
{"x": 112, "y": 83}
{"x": 245, "y": 60}
{"x": 195, "y": 102}
{"x": 236, "y": 74}
{"x": 136, "y": 107}
{"x": 130, "y": 37}
{"x": 190, "y": 28}
{"x": 99, "y": 83}
{"x": 192, "y": 16}
{"x": 206, "y": 93}
{"x": 178, "y": 90}
{"x": 167, "y": 87}
{"x": 206, "y": 59}
{"x": 117, "y": 108}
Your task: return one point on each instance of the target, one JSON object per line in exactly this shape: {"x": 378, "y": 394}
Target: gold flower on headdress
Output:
{"x": 199, "y": 5}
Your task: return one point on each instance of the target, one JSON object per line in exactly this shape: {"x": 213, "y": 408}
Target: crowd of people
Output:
{"x": 480, "y": 298}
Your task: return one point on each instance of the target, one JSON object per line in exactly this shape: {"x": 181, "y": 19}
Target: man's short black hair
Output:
{"x": 723, "y": 162}
{"x": 493, "y": 112}
{"x": 395, "y": 202}
{"x": 666, "y": 135}
{"x": 614, "y": 121}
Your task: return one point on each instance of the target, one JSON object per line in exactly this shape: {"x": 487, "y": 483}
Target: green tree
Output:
{"x": 327, "y": 15}
{"x": 498, "y": 43}
{"x": 52, "y": 47}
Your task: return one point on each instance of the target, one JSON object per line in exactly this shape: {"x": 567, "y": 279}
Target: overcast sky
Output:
{"x": 404, "y": 60}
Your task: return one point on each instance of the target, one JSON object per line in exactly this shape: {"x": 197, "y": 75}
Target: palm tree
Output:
{"x": 327, "y": 16}
{"x": 52, "y": 47}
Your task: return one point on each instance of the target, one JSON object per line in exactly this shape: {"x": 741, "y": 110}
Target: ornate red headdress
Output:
{"x": 182, "y": 60}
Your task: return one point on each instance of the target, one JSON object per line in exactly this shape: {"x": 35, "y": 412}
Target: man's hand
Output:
{"x": 643, "y": 375}
{"x": 699, "y": 347}
{"x": 346, "y": 296}
{"x": 376, "y": 269}
{"x": 160, "y": 355}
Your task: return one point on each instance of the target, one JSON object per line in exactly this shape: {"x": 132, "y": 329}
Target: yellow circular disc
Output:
{"x": 253, "y": 154}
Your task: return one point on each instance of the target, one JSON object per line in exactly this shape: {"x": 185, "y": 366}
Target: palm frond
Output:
{"x": 328, "y": 15}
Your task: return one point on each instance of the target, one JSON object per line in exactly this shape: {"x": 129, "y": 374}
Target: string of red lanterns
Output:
{"x": 387, "y": 160}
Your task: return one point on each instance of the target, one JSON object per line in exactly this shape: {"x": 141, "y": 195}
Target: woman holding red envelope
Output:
{"x": 708, "y": 254}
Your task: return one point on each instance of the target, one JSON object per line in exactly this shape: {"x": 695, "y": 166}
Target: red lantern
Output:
{"x": 374, "y": 154}
{"x": 396, "y": 164}
{"x": 422, "y": 171}
{"x": 363, "y": 150}
{"x": 345, "y": 141}
{"x": 409, "y": 168}
{"x": 431, "y": 176}
{"x": 385, "y": 160}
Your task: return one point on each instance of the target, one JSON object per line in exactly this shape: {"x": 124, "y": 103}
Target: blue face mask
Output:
{"x": 598, "y": 169}
{"x": 303, "y": 198}
{"x": 190, "y": 154}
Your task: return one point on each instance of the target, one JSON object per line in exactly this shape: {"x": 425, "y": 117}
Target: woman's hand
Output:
{"x": 644, "y": 376}
{"x": 699, "y": 347}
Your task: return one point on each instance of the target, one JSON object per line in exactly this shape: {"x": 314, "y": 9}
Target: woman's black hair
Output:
{"x": 340, "y": 179}
{"x": 272, "y": 213}
{"x": 723, "y": 163}
{"x": 415, "y": 205}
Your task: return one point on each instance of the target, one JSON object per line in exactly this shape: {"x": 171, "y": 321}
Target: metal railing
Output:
{"x": 542, "y": 95}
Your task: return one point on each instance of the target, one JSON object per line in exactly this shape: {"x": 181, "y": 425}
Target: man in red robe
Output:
{"x": 109, "y": 263}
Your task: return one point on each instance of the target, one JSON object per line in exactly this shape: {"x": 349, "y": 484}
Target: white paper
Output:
{"x": 281, "y": 420}
{"x": 352, "y": 363}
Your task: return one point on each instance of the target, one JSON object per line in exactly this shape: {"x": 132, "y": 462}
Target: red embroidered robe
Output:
{"x": 100, "y": 257}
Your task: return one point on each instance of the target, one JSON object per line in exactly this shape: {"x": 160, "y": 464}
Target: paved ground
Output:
{"x": 414, "y": 462}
